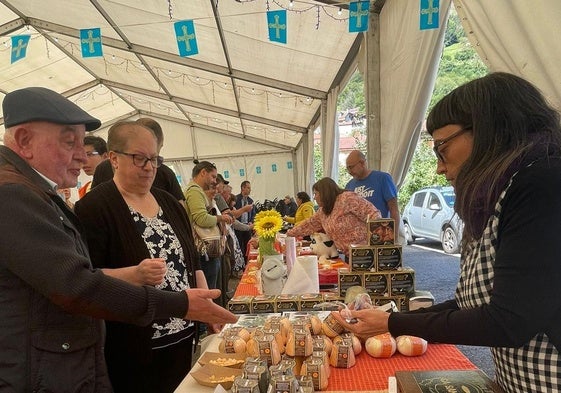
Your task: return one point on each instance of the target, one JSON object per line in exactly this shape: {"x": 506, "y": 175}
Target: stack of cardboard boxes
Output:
{"x": 262, "y": 304}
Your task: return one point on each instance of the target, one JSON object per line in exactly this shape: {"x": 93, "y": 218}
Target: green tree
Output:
{"x": 352, "y": 95}
{"x": 344, "y": 176}
{"x": 454, "y": 30}
{"x": 318, "y": 161}
{"x": 459, "y": 64}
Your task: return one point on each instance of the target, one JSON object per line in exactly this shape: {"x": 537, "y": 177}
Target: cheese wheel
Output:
{"x": 316, "y": 324}
{"x": 232, "y": 344}
{"x": 252, "y": 348}
{"x": 380, "y": 346}
{"x": 411, "y": 345}
{"x": 357, "y": 346}
{"x": 342, "y": 355}
{"x": 237, "y": 331}
{"x": 331, "y": 328}
{"x": 349, "y": 339}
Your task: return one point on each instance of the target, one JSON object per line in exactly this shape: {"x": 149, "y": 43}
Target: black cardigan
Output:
{"x": 526, "y": 298}
{"x": 114, "y": 242}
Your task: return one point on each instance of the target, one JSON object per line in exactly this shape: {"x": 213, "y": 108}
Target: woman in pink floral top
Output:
{"x": 342, "y": 215}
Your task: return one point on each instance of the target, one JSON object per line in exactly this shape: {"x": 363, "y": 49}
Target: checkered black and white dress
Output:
{"x": 534, "y": 367}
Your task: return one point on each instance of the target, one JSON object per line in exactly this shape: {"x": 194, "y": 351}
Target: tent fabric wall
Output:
{"x": 409, "y": 62}
{"x": 305, "y": 164}
{"x": 244, "y": 96}
{"x": 271, "y": 175}
{"x": 520, "y": 37}
{"x": 330, "y": 134}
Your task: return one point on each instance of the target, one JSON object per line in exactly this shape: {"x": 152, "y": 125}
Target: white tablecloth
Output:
{"x": 189, "y": 385}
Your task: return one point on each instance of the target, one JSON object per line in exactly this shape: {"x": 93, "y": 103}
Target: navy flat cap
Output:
{"x": 41, "y": 104}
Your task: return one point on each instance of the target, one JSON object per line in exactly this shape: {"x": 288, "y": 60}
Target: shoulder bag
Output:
{"x": 210, "y": 241}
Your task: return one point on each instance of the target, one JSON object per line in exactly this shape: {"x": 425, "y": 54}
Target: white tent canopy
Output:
{"x": 250, "y": 105}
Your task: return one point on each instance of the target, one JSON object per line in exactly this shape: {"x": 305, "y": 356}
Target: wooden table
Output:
{"x": 369, "y": 374}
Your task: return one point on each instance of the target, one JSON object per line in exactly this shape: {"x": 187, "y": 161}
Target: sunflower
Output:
{"x": 267, "y": 223}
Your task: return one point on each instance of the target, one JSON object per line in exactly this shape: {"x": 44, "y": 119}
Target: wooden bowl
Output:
{"x": 232, "y": 360}
{"x": 212, "y": 376}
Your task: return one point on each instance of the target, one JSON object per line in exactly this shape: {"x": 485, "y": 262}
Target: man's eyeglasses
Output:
{"x": 436, "y": 147}
{"x": 350, "y": 167}
{"x": 140, "y": 161}
{"x": 92, "y": 153}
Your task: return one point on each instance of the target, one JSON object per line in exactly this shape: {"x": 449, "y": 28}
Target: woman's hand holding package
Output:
{"x": 369, "y": 322}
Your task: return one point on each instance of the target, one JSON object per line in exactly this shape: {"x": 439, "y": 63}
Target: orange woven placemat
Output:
{"x": 248, "y": 283}
{"x": 372, "y": 374}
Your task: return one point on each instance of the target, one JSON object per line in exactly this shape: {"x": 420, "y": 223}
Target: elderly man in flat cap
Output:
{"x": 52, "y": 301}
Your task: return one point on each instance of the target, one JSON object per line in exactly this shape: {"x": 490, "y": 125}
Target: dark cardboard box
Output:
{"x": 308, "y": 301}
{"x": 262, "y": 304}
{"x": 362, "y": 258}
{"x": 388, "y": 257}
{"x": 402, "y": 282}
{"x": 240, "y": 305}
{"x": 349, "y": 279}
{"x": 381, "y": 232}
{"x": 377, "y": 283}
{"x": 287, "y": 303}
{"x": 400, "y": 301}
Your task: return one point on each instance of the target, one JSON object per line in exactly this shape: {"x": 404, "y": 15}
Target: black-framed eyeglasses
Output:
{"x": 350, "y": 167}
{"x": 140, "y": 161}
{"x": 436, "y": 146}
{"x": 92, "y": 153}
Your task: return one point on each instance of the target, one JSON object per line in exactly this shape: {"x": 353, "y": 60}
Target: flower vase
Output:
{"x": 267, "y": 246}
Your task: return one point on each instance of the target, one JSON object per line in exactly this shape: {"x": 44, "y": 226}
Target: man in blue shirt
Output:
{"x": 375, "y": 186}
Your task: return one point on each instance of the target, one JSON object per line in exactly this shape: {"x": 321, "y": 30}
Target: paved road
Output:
{"x": 438, "y": 273}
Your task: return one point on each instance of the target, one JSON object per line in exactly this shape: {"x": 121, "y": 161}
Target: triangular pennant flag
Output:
{"x": 186, "y": 38}
{"x": 359, "y": 12}
{"x": 19, "y": 47}
{"x": 429, "y": 17}
{"x": 276, "y": 22}
{"x": 90, "y": 40}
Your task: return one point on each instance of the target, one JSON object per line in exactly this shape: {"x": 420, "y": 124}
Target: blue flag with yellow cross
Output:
{"x": 186, "y": 38}
{"x": 429, "y": 17}
{"x": 276, "y": 22}
{"x": 359, "y": 12}
{"x": 19, "y": 47}
{"x": 90, "y": 42}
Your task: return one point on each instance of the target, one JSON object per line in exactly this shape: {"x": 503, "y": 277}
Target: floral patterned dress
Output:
{"x": 162, "y": 242}
{"x": 345, "y": 225}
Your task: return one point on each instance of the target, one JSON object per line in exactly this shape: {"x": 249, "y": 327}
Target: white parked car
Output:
{"x": 430, "y": 214}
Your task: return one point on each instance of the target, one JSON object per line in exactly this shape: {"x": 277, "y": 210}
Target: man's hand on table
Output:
{"x": 202, "y": 308}
{"x": 369, "y": 322}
